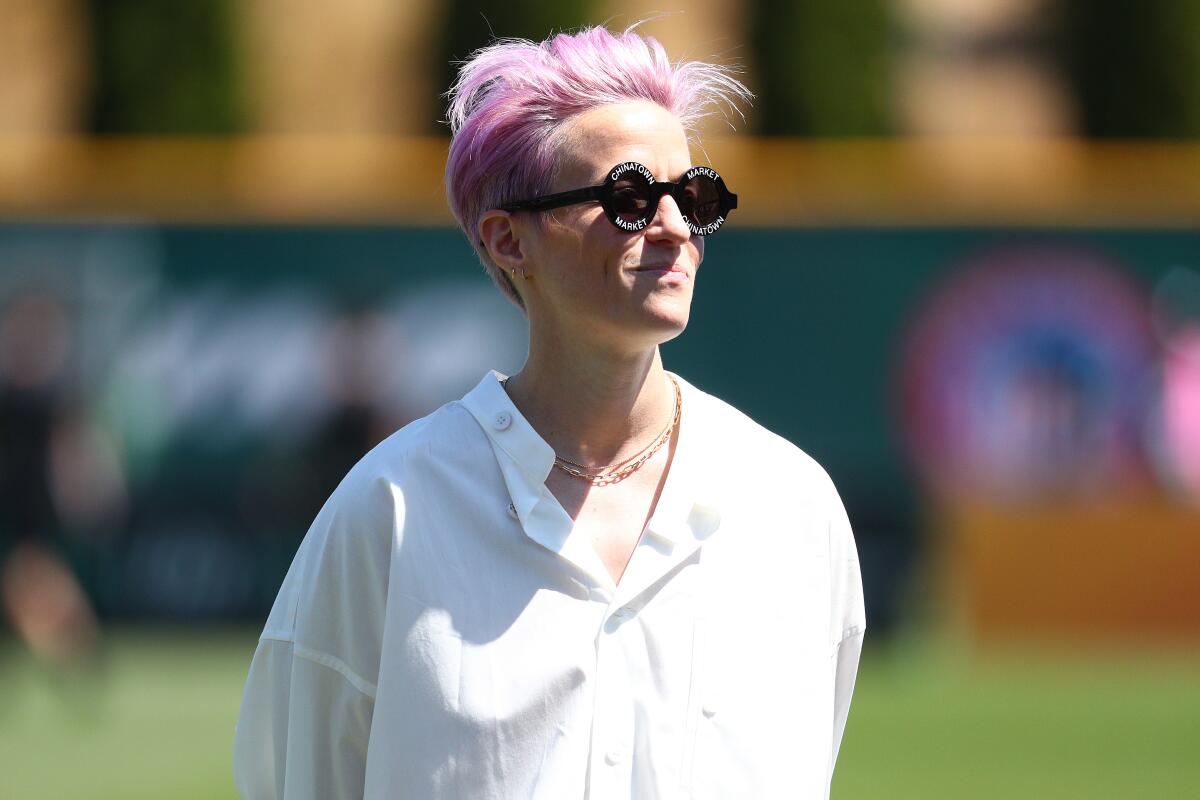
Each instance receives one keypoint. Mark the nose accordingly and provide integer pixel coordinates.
(668, 223)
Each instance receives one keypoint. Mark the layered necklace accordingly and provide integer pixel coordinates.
(615, 473)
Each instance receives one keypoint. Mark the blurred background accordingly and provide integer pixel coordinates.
(965, 264)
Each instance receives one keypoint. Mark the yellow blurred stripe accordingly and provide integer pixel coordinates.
(306, 179)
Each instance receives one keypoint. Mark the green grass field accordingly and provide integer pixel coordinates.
(1025, 724)
(157, 722)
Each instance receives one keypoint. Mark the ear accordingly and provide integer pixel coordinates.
(501, 236)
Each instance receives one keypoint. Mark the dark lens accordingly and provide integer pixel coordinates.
(630, 196)
(701, 201)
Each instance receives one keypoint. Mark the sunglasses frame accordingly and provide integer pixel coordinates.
(604, 192)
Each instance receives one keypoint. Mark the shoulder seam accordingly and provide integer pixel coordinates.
(337, 665)
(324, 659)
(276, 636)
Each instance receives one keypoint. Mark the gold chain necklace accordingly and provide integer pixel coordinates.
(602, 476)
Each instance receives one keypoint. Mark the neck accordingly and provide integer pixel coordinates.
(594, 408)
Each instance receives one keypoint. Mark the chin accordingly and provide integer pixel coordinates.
(667, 319)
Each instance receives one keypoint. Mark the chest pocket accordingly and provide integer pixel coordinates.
(761, 714)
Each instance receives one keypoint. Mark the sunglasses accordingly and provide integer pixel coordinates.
(630, 196)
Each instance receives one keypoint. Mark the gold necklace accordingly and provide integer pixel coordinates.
(615, 473)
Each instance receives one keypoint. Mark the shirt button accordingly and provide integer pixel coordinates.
(708, 710)
(512, 511)
(502, 420)
(612, 757)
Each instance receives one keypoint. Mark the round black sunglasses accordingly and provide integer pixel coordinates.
(630, 196)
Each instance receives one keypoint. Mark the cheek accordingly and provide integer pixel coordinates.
(585, 269)
(695, 249)
(564, 249)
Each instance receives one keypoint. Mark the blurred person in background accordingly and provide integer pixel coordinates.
(284, 488)
(590, 578)
(41, 598)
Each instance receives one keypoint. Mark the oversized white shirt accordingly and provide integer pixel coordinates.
(444, 633)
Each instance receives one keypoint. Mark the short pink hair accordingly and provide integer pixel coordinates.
(512, 98)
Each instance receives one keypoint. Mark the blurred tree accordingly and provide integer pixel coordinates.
(472, 24)
(822, 67)
(42, 66)
(163, 68)
(1135, 66)
(987, 68)
(357, 67)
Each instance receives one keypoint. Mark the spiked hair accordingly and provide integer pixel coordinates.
(511, 99)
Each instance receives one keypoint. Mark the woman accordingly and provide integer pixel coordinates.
(590, 578)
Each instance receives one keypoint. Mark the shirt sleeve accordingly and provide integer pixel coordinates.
(846, 671)
(306, 712)
(303, 729)
(849, 616)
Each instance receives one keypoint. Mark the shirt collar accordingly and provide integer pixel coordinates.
(508, 429)
(688, 508)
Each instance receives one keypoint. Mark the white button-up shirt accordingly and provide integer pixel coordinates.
(445, 633)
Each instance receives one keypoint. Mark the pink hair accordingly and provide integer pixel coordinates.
(512, 98)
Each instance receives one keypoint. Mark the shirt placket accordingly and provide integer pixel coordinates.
(611, 760)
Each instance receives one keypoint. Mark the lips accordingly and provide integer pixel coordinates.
(663, 268)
